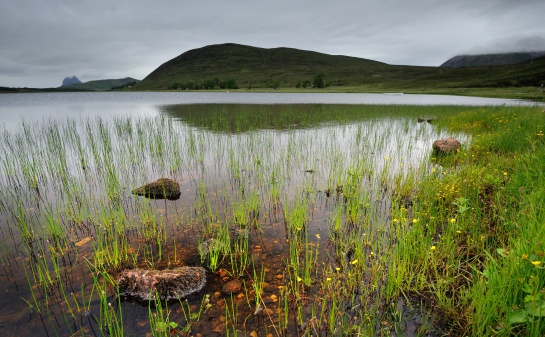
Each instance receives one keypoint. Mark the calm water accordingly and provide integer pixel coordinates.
(38, 106)
(66, 179)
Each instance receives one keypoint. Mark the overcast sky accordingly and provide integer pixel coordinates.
(43, 41)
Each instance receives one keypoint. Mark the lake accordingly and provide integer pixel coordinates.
(291, 194)
(37, 106)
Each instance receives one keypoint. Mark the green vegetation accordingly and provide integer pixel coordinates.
(337, 220)
(292, 69)
(205, 85)
(480, 258)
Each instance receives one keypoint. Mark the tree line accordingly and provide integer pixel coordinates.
(205, 85)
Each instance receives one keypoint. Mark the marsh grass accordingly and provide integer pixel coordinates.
(343, 208)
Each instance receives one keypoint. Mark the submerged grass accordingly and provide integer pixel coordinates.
(335, 218)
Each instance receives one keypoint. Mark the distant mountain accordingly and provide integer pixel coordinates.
(110, 84)
(490, 59)
(70, 80)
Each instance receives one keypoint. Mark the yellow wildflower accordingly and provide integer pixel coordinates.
(354, 262)
(524, 256)
(433, 247)
(536, 263)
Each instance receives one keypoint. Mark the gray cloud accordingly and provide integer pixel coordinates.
(44, 41)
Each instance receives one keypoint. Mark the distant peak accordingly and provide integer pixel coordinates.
(70, 81)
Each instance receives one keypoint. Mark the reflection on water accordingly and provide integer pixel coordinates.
(247, 174)
(40, 106)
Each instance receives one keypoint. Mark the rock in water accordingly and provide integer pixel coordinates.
(167, 284)
(162, 188)
(445, 146)
(232, 286)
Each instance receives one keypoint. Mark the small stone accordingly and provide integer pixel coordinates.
(210, 245)
(83, 241)
(253, 333)
(279, 276)
(274, 298)
(240, 296)
(230, 287)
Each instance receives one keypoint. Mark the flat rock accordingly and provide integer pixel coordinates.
(162, 188)
(445, 146)
(166, 284)
(230, 287)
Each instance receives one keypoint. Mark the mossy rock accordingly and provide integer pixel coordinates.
(148, 285)
(445, 146)
(162, 188)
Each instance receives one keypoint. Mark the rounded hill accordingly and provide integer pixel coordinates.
(258, 67)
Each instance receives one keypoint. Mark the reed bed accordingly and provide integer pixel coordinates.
(338, 220)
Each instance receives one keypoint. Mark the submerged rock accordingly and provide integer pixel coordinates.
(446, 146)
(211, 245)
(161, 284)
(162, 188)
(231, 287)
(425, 119)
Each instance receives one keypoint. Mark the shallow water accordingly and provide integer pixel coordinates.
(37, 106)
(65, 186)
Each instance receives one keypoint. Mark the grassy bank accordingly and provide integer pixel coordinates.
(477, 249)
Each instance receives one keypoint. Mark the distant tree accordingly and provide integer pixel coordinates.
(208, 84)
(174, 86)
(298, 85)
(230, 84)
(273, 84)
(318, 81)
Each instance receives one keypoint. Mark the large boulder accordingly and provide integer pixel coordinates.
(445, 146)
(167, 284)
(162, 188)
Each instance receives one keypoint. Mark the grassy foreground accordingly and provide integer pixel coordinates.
(475, 244)
(364, 223)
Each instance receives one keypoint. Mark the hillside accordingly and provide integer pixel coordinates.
(490, 59)
(287, 68)
(259, 67)
(100, 84)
